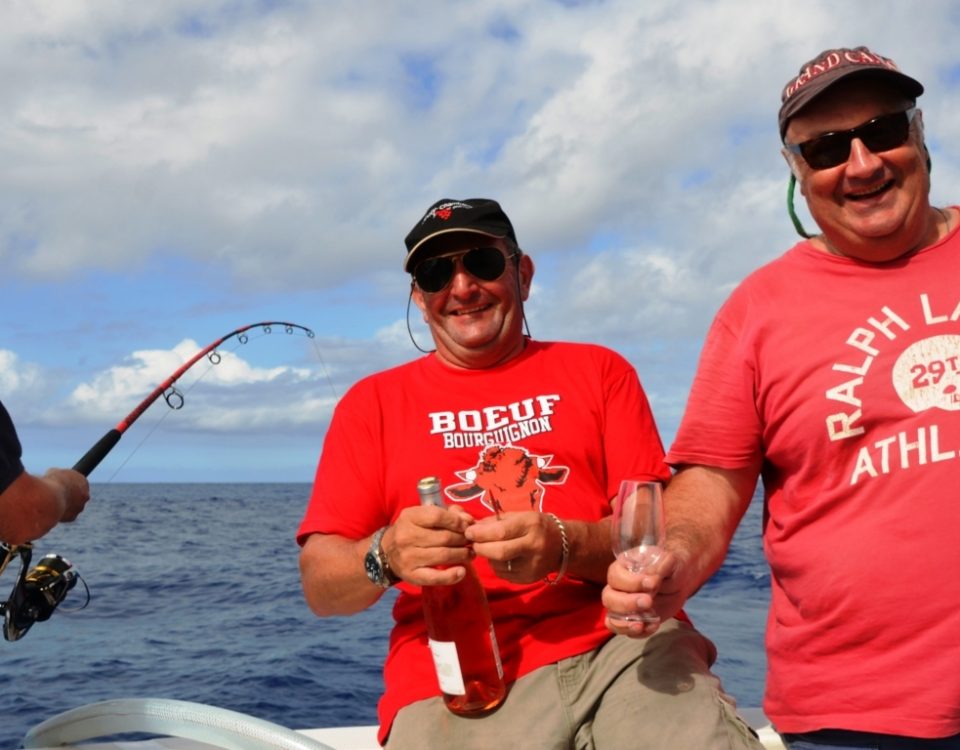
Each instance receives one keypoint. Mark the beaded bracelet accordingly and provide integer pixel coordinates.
(565, 553)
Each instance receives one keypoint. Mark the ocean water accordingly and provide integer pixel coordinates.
(195, 595)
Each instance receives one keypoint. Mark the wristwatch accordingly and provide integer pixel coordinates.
(376, 565)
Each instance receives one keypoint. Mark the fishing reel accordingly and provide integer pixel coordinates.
(38, 590)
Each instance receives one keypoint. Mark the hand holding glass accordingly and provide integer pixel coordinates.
(637, 532)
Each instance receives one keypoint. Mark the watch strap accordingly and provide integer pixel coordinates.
(377, 564)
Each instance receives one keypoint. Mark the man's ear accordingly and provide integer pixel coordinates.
(918, 125)
(792, 162)
(417, 296)
(525, 269)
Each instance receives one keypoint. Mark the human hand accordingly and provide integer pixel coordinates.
(426, 544)
(653, 591)
(522, 547)
(73, 489)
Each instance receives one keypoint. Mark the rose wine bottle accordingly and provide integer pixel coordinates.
(461, 636)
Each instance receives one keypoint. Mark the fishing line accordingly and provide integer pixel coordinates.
(324, 368)
(175, 399)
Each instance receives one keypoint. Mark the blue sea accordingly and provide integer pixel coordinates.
(195, 595)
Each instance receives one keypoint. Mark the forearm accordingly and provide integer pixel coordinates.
(702, 508)
(333, 575)
(589, 552)
(425, 545)
(30, 507)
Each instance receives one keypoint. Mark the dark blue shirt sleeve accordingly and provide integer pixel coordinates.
(11, 452)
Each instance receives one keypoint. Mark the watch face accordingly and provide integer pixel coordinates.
(372, 566)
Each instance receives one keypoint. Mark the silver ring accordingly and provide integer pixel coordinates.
(509, 566)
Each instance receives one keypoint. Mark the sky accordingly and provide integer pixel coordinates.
(173, 172)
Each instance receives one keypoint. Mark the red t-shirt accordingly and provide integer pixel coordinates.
(844, 377)
(572, 418)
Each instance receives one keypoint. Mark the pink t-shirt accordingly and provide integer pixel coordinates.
(845, 378)
(554, 429)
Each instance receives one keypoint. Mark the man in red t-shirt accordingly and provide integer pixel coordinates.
(530, 440)
(834, 374)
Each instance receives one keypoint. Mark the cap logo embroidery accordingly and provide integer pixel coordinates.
(444, 211)
(831, 61)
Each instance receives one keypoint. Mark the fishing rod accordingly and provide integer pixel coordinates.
(92, 458)
(38, 590)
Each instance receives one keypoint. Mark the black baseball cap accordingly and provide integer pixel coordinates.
(478, 215)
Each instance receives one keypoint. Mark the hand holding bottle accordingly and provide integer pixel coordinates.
(426, 545)
(522, 547)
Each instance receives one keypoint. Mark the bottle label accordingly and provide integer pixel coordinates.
(496, 651)
(447, 664)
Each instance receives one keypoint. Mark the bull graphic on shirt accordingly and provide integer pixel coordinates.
(508, 478)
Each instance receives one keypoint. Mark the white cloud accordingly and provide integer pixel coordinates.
(254, 136)
(18, 377)
(224, 391)
(272, 150)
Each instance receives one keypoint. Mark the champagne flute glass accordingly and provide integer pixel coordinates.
(637, 532)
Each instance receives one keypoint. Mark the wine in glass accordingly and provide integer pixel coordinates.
(637, 532)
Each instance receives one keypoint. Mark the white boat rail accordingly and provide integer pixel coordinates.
(184, 725)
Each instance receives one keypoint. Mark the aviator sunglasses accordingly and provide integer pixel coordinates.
(485, 263)
(882, 133)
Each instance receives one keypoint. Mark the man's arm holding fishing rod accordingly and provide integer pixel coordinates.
(31, 505)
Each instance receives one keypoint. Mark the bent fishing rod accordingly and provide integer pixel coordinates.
(39, 589)
(171, 395)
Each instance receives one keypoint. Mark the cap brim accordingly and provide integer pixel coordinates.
(408, 261)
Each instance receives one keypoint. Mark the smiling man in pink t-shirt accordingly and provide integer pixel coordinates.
(832, 373)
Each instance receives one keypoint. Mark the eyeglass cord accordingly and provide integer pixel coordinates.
(791, 188)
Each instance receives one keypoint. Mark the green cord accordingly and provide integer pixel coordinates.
(791, 187)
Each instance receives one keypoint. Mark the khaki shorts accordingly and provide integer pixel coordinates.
(652, 694)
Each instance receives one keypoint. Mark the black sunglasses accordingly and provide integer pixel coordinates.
(485, 263)
(833, 149)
